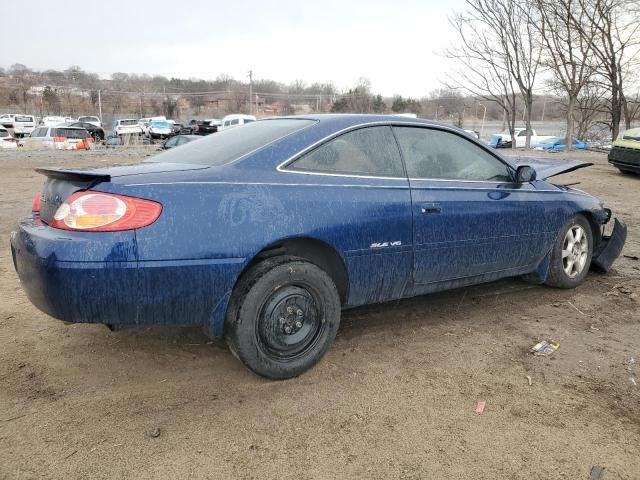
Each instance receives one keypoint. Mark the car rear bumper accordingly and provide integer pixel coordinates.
(115, 288)
(610, 247)
(627, 159)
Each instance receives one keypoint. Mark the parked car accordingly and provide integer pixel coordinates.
(159, 129)
(7, 141)
(178, 140)
(235, 120)
(209, 126)
(59, 137)
(503, 140)
(473, 133)
(51, 121)
(558, 143)
(625, 152)
(97, 133)
(146, 122)
(18, 123)
(6, 120)
(263, 233)
(95, 121)
(127, 126)
(204, 127)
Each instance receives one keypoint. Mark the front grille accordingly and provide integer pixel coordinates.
(629, 156)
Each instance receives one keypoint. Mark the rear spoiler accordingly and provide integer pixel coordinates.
(74, 175)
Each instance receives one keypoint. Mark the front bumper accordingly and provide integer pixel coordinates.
(627, 159)
(610, 247)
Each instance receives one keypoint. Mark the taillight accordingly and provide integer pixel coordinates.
(35, 208)
(10, 139)
(105, 212)
(59, 139)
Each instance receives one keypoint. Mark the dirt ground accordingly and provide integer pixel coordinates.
(393, 398)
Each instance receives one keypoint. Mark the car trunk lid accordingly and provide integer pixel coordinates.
(61, 183)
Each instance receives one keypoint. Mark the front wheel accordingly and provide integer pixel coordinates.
(283, 317)
(571, 255)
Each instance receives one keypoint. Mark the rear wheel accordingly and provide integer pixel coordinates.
(571, 255)
(283, 317)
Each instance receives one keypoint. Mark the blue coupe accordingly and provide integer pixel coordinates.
(263, 233)
(558, 143)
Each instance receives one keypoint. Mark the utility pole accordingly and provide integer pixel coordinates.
(250, 92)
(100, 105)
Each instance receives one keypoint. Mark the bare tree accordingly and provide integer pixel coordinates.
(568, 53)
(484, 72)
(508, 38)
(615, 46)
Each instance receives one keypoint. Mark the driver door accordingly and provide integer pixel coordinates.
(469, 217)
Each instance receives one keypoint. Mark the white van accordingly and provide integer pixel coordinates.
(235, 120)
(20, 124)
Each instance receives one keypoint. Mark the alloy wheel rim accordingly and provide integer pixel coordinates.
(575, 250)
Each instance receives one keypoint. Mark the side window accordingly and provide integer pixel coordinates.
(235, 121)
(436, 154)
(42, 132)
(368, 151)
(172, 142)
(523, 133)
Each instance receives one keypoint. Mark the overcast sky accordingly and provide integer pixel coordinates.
(395, 44)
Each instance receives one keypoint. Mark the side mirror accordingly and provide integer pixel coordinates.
(525, 174)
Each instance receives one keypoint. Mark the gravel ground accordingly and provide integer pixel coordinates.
(393, 398)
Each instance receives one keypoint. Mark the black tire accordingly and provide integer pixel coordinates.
(626, 172)
(283, 317)
(559, 270)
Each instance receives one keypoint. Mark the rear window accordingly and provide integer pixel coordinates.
(228, 145)
(248, 120)
(88, 119)
(23, 118)
(128, 122)
(4, 133)
(69, 132)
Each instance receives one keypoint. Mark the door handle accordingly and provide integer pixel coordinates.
(427, 208)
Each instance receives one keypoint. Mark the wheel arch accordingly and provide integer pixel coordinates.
(596, 226)
(313, 250)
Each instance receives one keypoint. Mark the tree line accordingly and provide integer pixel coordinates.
(585, 52)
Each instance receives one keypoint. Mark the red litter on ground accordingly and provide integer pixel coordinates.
(480, 404)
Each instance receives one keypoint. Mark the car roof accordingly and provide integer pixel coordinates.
(354, 119)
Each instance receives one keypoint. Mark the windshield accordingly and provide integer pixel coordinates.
(228, 145)
(88, 119)
(552, 140)
(69, 132)
(128, 122)
(160, 124)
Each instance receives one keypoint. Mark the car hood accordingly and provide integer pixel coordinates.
(550, 167)
(106, 173)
